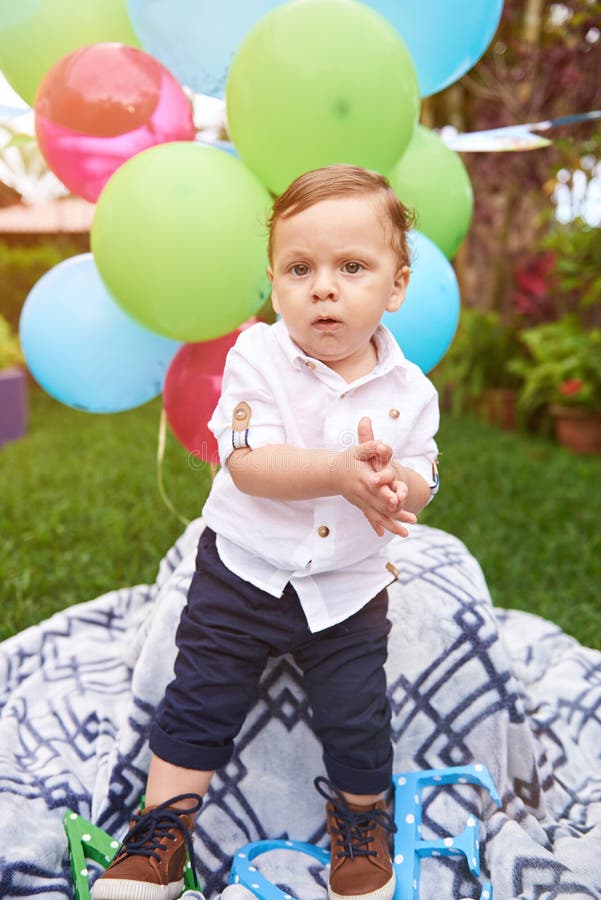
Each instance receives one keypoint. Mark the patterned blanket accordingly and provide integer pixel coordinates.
(468, 684)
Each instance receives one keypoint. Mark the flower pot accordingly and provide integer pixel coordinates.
(13, 404)
(578, 428)
(497, 406)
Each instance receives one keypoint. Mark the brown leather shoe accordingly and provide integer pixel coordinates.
(150, 862)
(360, 866)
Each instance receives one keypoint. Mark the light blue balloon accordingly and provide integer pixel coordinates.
(425, 324)
(226, 146)
(196, 39)
(445, 37)
(83, 349)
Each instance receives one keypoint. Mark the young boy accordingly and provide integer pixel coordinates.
(326, 438)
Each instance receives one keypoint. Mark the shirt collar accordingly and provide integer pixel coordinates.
(390, 355)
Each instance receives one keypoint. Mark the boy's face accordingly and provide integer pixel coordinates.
(333, 275)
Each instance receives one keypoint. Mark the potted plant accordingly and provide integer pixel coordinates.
(13, 386)
(473, 375)
(561, 375)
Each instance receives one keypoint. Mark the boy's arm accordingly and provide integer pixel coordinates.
(419, 494)
(280, 472)
(412, 490)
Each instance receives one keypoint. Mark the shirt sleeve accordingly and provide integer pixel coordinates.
(420, 452)
(246, 414)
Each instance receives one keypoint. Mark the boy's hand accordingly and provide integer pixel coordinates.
(368, 480)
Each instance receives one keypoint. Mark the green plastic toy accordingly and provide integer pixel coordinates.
(88, 842)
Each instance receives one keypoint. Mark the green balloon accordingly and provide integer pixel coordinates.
(432, 180)
(34, 34)
(319, 82)
(179, 237)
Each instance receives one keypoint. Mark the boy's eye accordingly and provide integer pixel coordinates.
(352, 267)
(299, 269)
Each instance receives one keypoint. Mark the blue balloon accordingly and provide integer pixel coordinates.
(226, 146)
(196, 39)
(425, 324)
(444, 38)
(83, 349)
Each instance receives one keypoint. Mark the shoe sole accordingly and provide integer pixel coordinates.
(386, 892)
(122, 889)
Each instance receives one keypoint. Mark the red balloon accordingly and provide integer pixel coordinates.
(100, 105)
(191, 391)
(101, 90)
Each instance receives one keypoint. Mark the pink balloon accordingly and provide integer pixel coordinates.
(100, 105)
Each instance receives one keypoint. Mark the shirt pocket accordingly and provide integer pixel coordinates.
(391, 425)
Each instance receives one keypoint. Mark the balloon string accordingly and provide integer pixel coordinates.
(160, 458)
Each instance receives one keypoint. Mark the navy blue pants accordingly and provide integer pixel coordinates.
(228, 630)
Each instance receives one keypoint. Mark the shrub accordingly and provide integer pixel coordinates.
(22, 265)
(563, 366)
(10, 349)
(477, 358)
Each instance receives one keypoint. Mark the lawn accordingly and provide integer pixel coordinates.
(81, 513)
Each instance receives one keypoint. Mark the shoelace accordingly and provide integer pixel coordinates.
(151, 827)
(354, 827)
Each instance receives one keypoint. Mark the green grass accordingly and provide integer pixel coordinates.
(528, 510)
(81, 514)
(80, 509)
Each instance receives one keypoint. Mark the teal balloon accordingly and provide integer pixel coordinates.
(319, 82)
(426, 323)
(445, 37)
(196, 39)
(83, 349)
(432, 180)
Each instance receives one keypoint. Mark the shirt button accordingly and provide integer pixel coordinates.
(393, 413)
(323, 531)
(310, 363)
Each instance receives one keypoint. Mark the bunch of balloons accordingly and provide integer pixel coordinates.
(179, 234)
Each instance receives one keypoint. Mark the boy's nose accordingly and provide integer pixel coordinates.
(324, 288)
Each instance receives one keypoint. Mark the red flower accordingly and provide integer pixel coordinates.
(571, 386)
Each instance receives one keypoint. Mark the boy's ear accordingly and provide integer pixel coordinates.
(399, 291)
(274, 299)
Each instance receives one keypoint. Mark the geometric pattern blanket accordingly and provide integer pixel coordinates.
(468, 684)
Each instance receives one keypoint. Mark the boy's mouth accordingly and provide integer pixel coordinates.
(326, 323)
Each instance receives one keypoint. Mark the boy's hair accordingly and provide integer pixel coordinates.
(342, 180)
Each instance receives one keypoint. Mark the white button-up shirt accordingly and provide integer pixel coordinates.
(325, 547)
